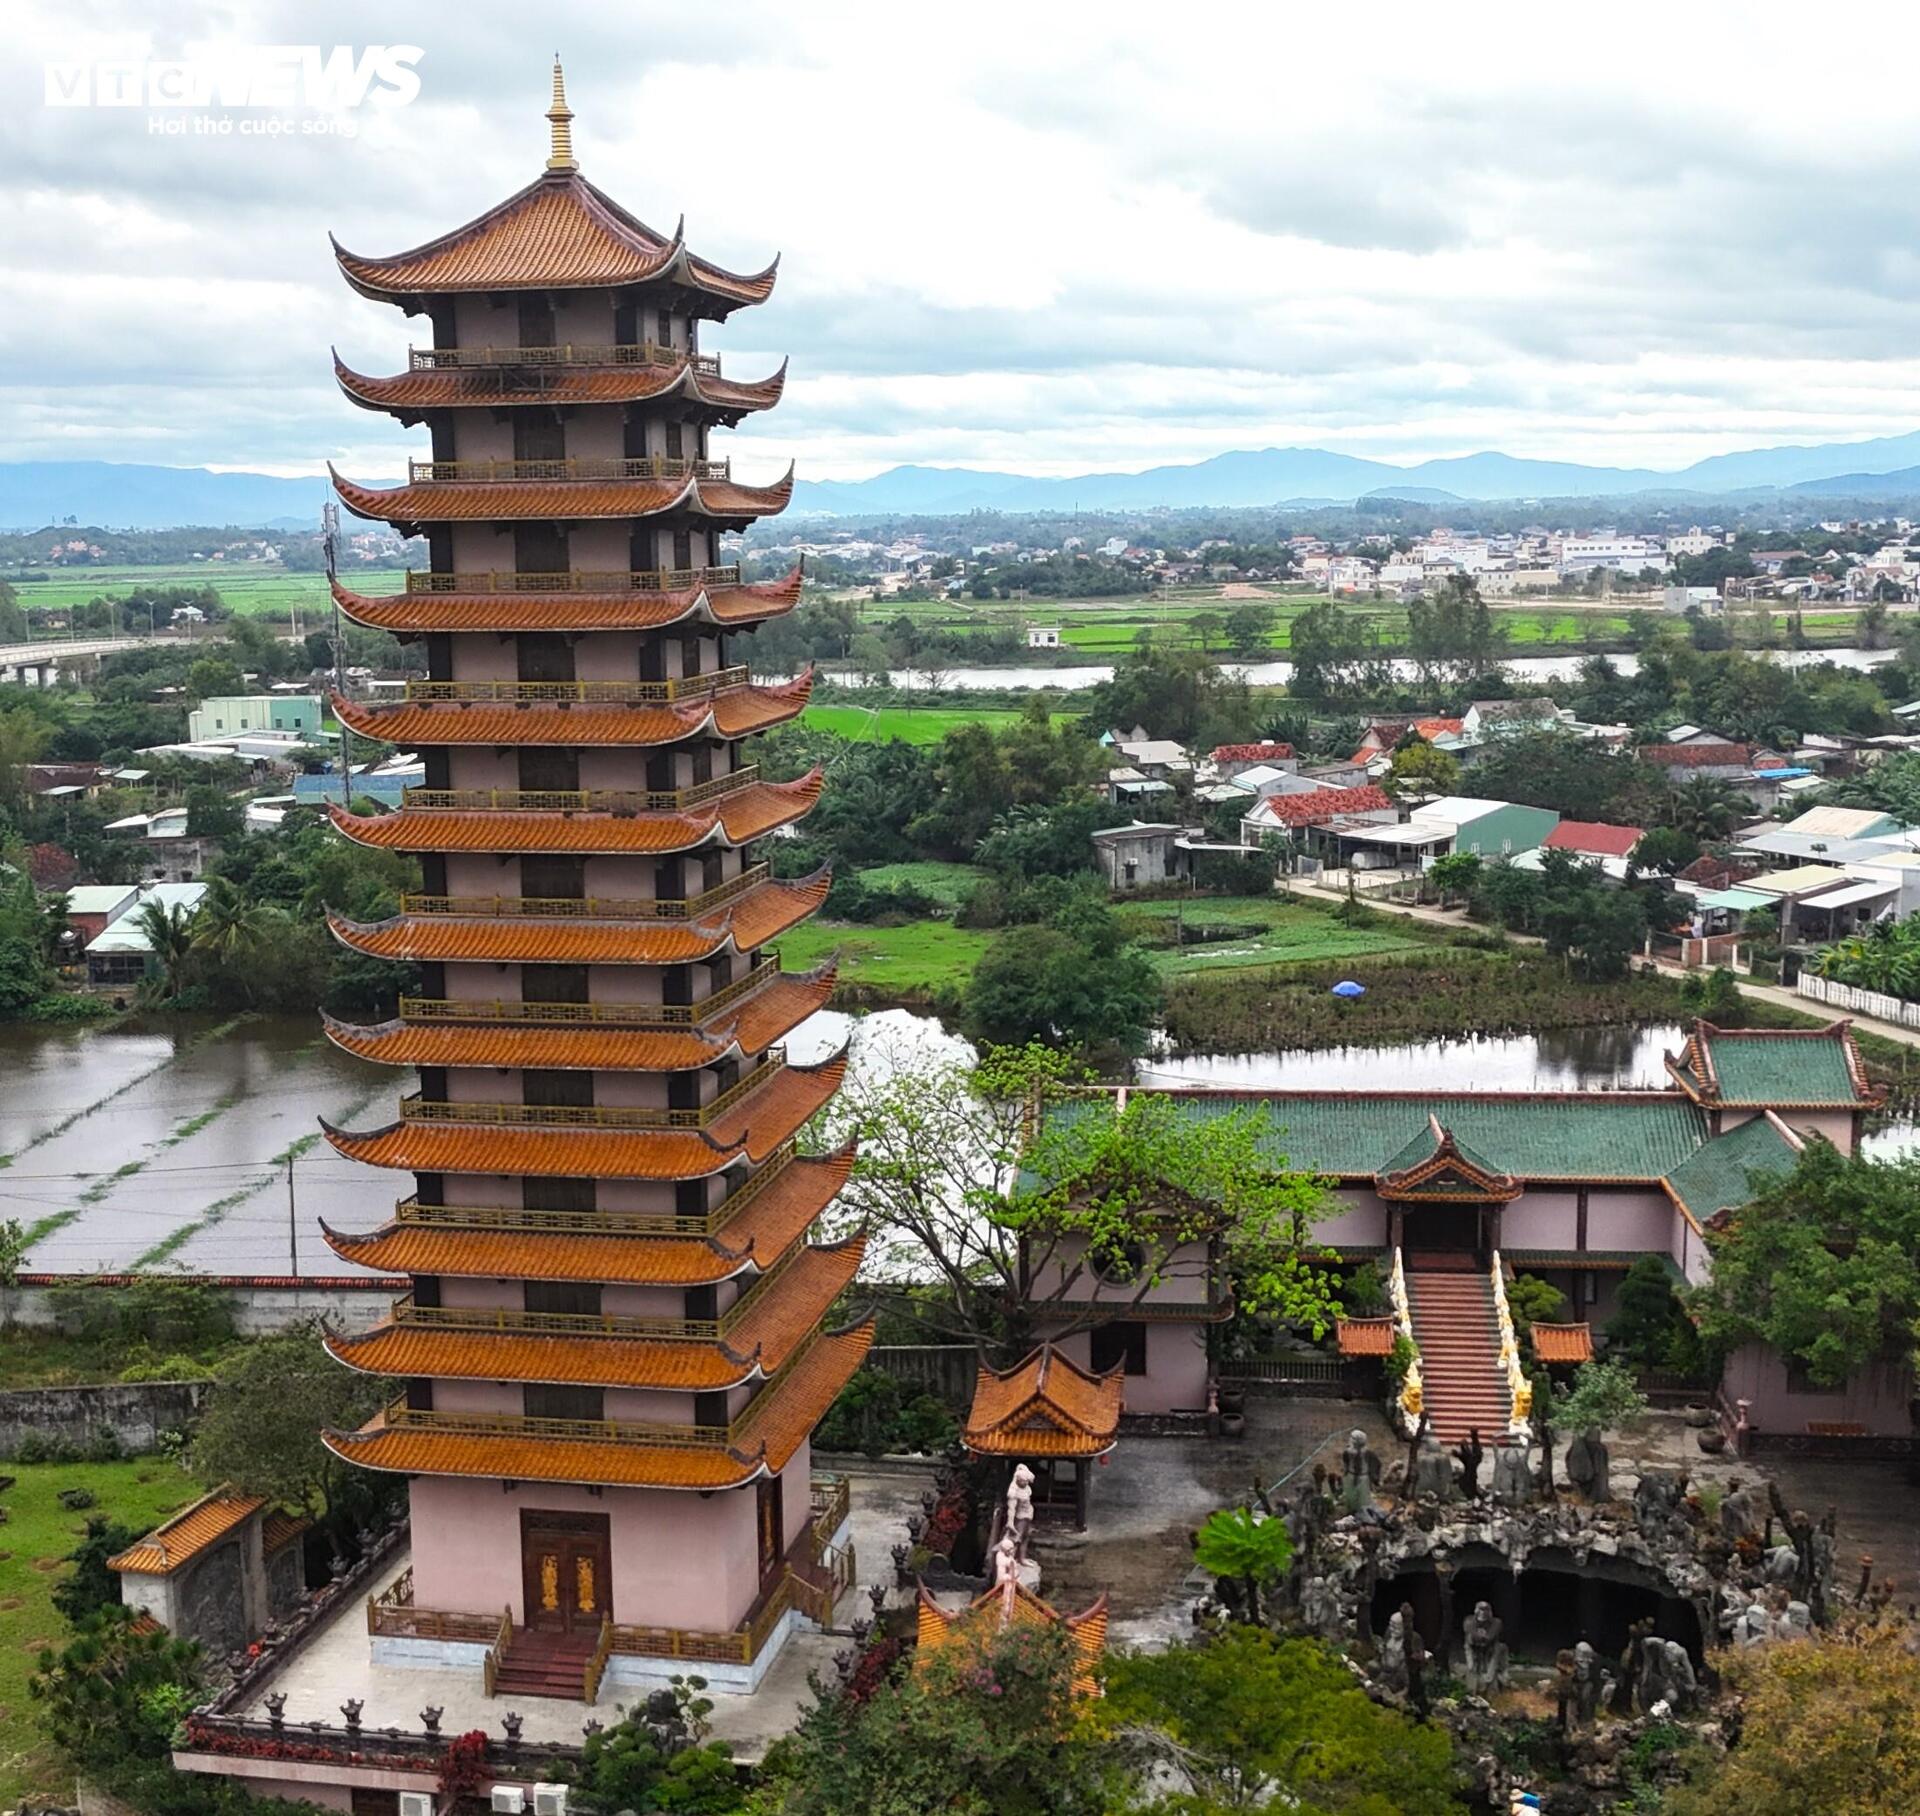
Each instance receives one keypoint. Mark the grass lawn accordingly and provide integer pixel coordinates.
(882, 724)
(1265, 933)
(38, 1533)
(904, 962)
(948, 884)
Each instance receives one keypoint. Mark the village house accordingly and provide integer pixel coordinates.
(1142, 855)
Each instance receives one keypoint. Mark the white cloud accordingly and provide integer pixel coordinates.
(1057, 237)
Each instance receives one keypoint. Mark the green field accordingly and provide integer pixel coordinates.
(249, 588)
(39, 1532)
(948, 884)
(909, 962)
(882, 724)
(1252, 935)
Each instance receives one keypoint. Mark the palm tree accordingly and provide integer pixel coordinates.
(1706, 807)
(228, 928)
(168, 928)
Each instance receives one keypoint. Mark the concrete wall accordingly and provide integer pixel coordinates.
(136, 1414)
(1876, 1397)
(261, 1305)
(1176, 1377)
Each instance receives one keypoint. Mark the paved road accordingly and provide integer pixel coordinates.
(1770, 993)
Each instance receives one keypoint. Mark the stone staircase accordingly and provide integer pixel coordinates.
(1463, 1384)
(545, 1664)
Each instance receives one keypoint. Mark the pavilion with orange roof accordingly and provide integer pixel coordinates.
(1054, 1417)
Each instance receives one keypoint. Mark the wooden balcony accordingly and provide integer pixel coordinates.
(567, 693)
(415, 1108)
(584, 1324)
(521, 1218)
(567, 353)
(645, 466)
(587, 907)
(580, 800)
(736, 1435)
(646, 580)
(517, 1012)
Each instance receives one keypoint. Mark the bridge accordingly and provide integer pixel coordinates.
(40, 660)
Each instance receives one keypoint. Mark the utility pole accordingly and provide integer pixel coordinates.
(293, 1226)
(330, 541)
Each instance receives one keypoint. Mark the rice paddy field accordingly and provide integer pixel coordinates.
(883, 724)
(253, 588)
(910, 963)
(1201, 936)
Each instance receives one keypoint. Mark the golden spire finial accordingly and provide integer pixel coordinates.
(561, 116)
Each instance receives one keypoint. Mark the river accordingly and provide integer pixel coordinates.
(1277, 674)
(198, 1146)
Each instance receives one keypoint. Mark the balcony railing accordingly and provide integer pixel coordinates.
(587, 907)
(518, 1013)
(638, 693)
(521, 1218)
(642, 466)
(415, 1108)
(567, 353)
(581, 800)
(589, 1324)
(737, 1434)
(581, 580)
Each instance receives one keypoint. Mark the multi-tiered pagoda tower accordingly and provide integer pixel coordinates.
(613, 1352)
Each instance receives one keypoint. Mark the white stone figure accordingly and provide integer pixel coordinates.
(1019, 1521)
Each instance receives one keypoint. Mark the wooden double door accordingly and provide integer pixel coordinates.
(566, 1563)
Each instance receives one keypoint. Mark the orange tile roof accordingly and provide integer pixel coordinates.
(551, 500)
(737, 713)
(750, 1028)
(465, 387)
(279, 1530)
(770, 1224)
(1044, 1407)
(775, 1326)
(1013, 1605)
(751, 1129)
(1563, 1342)
(189, 1533)
(797, 1402)
(737, 819)
(1365, 1336)
(763, 913)
(558, 233)
(419, 613)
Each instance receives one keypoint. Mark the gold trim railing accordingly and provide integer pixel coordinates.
(588, 907)
(633, 466)
(831, 1500)
(505, 1318)
(415, 1108)
(595, 1223)
(515, 1012)
(579, 800)
(392, 1613)
(497, 1652)
(597, 1664)
(566, 353)
(619, 693)
(400, 1416)
(646, 580)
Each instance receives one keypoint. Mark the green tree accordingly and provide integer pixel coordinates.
(1665, 850)
(1603, 1397)
(1249, 627)
(114, 1691)
(1453, 637)
(977, 1728)
(213, 814)
(169, 933)
(1420, 766)
(77, 1598)
(1455, 874)
(1703, 808)
(1244, 1548)
(1823, 1263)
(1246, 1720)
(214, 676)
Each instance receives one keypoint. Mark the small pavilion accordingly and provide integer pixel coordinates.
(1052, 1416)
(1007, 1606)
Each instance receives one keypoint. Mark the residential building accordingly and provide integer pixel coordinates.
(1142, 855)
(93, 907)
(121, 956)
(1230, 759)
(227, 715)
(1289, 814)
(1043, 636)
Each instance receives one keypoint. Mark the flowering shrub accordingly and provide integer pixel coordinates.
(463, 1767)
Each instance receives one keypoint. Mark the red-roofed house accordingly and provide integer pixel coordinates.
(1231, 759)
(1593, 838)
(1384, 735)
(1683, 760)
(1289, 813)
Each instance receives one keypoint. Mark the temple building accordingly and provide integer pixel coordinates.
(613, 1354)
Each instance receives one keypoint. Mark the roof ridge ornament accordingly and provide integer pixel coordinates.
(560, 160)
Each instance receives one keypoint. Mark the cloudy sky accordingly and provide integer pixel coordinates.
(1046, 237)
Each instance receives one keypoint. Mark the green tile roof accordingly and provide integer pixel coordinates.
(1777, 1066)
(1720, 1176)
(1632, 1135)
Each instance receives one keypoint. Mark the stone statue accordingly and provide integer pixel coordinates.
(1741, 1512)
(1753, 1626)
(1360, 1469)
(1471, 1454)
(1393, 1652)
(1486, 1653)
(1020, 1510)
(1590, 1685)
(1432, 1471)
(1006, 1560)
(1323, 1609)
(1512, 1478)
(1587, 1466)
(1667, 1681)
(1657, 1498)
(1796, 1622)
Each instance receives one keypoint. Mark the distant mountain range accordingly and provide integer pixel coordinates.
(37, 493)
